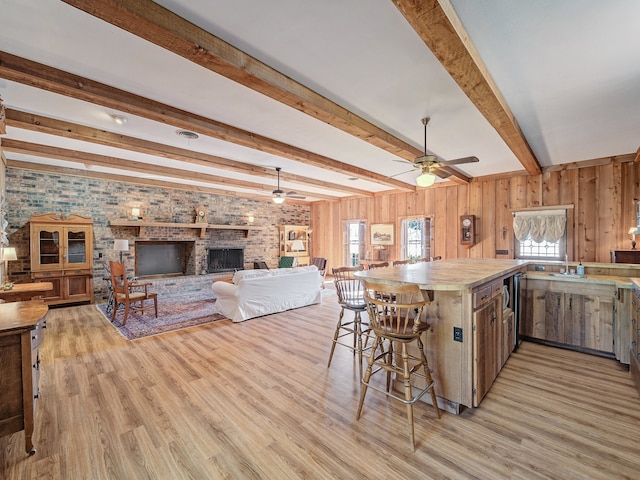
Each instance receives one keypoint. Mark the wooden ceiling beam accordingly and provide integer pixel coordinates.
(61, 128)
(437, 24)
(74, 172)
(51, 79)
(160, 26)
(92, 159)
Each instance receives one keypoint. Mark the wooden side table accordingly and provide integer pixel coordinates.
(25, 291)
(625, 256)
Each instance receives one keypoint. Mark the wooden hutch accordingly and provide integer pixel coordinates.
(62, 253)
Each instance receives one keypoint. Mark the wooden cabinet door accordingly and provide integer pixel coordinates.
(487, 338)
(77, 246)
(635, 323)
(78, 287)
(56, 280)
(574, 321)
(508, 339)
(47, 247)
(553, 318)
(598, 323)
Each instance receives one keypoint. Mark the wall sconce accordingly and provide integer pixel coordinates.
(136, 214)
(251, 219)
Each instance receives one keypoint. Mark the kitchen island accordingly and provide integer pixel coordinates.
(472, 315)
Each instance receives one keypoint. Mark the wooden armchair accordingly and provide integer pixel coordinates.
(321, 263)
(286, 262)
(124, 293)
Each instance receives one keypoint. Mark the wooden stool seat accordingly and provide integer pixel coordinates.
(350, 297)
(395, 316)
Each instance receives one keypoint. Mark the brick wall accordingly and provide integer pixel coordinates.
(29, 193)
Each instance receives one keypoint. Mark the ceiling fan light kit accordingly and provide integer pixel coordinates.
(426, 179)
(277, 197)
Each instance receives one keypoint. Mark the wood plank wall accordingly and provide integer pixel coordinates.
(603, 196)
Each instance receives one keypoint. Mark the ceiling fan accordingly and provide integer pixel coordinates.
(278, 196)
(430, 166)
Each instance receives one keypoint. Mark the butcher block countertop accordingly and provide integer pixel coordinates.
(452, 274)
(619, 282)
(463, 273)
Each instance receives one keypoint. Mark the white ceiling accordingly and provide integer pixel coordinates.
(568, 70)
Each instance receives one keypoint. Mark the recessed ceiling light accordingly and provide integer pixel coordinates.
(119, 119)
(187, 134)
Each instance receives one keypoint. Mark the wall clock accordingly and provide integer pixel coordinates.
(467, 230)
(201, 214)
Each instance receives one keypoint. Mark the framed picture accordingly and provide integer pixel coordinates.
(292, 235)
(382, 234)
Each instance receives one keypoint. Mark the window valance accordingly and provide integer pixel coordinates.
(540, 225)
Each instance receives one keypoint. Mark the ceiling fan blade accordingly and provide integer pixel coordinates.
(294, 195)
(459, 161)
(440, 172)
(401, 173)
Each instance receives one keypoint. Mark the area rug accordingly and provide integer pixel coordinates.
(174, 313)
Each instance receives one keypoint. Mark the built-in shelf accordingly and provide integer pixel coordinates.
(203, 227)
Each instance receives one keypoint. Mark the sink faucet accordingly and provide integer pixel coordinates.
(566, 263)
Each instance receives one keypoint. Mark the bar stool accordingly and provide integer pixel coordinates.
(378, 265)
(402, 262)
(350, 297)
(394, 315)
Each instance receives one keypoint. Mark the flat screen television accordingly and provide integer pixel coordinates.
(225, 260)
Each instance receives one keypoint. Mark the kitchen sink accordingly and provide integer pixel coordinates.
(567, 275)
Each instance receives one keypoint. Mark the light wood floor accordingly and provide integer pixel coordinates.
(255, 401)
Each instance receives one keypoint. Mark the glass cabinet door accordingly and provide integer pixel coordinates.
(76, 240)
(49, 246)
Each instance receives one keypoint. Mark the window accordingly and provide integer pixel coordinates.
(540, 234)
(415, 238)
(540, 250)
(355, 239)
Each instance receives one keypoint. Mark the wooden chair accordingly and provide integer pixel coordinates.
(321, 263)
(124, 293)
(378, 265)
(395, 315)
(402, 262)
(286, 262)
(350, 297)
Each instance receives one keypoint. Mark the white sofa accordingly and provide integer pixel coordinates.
(254, 293)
